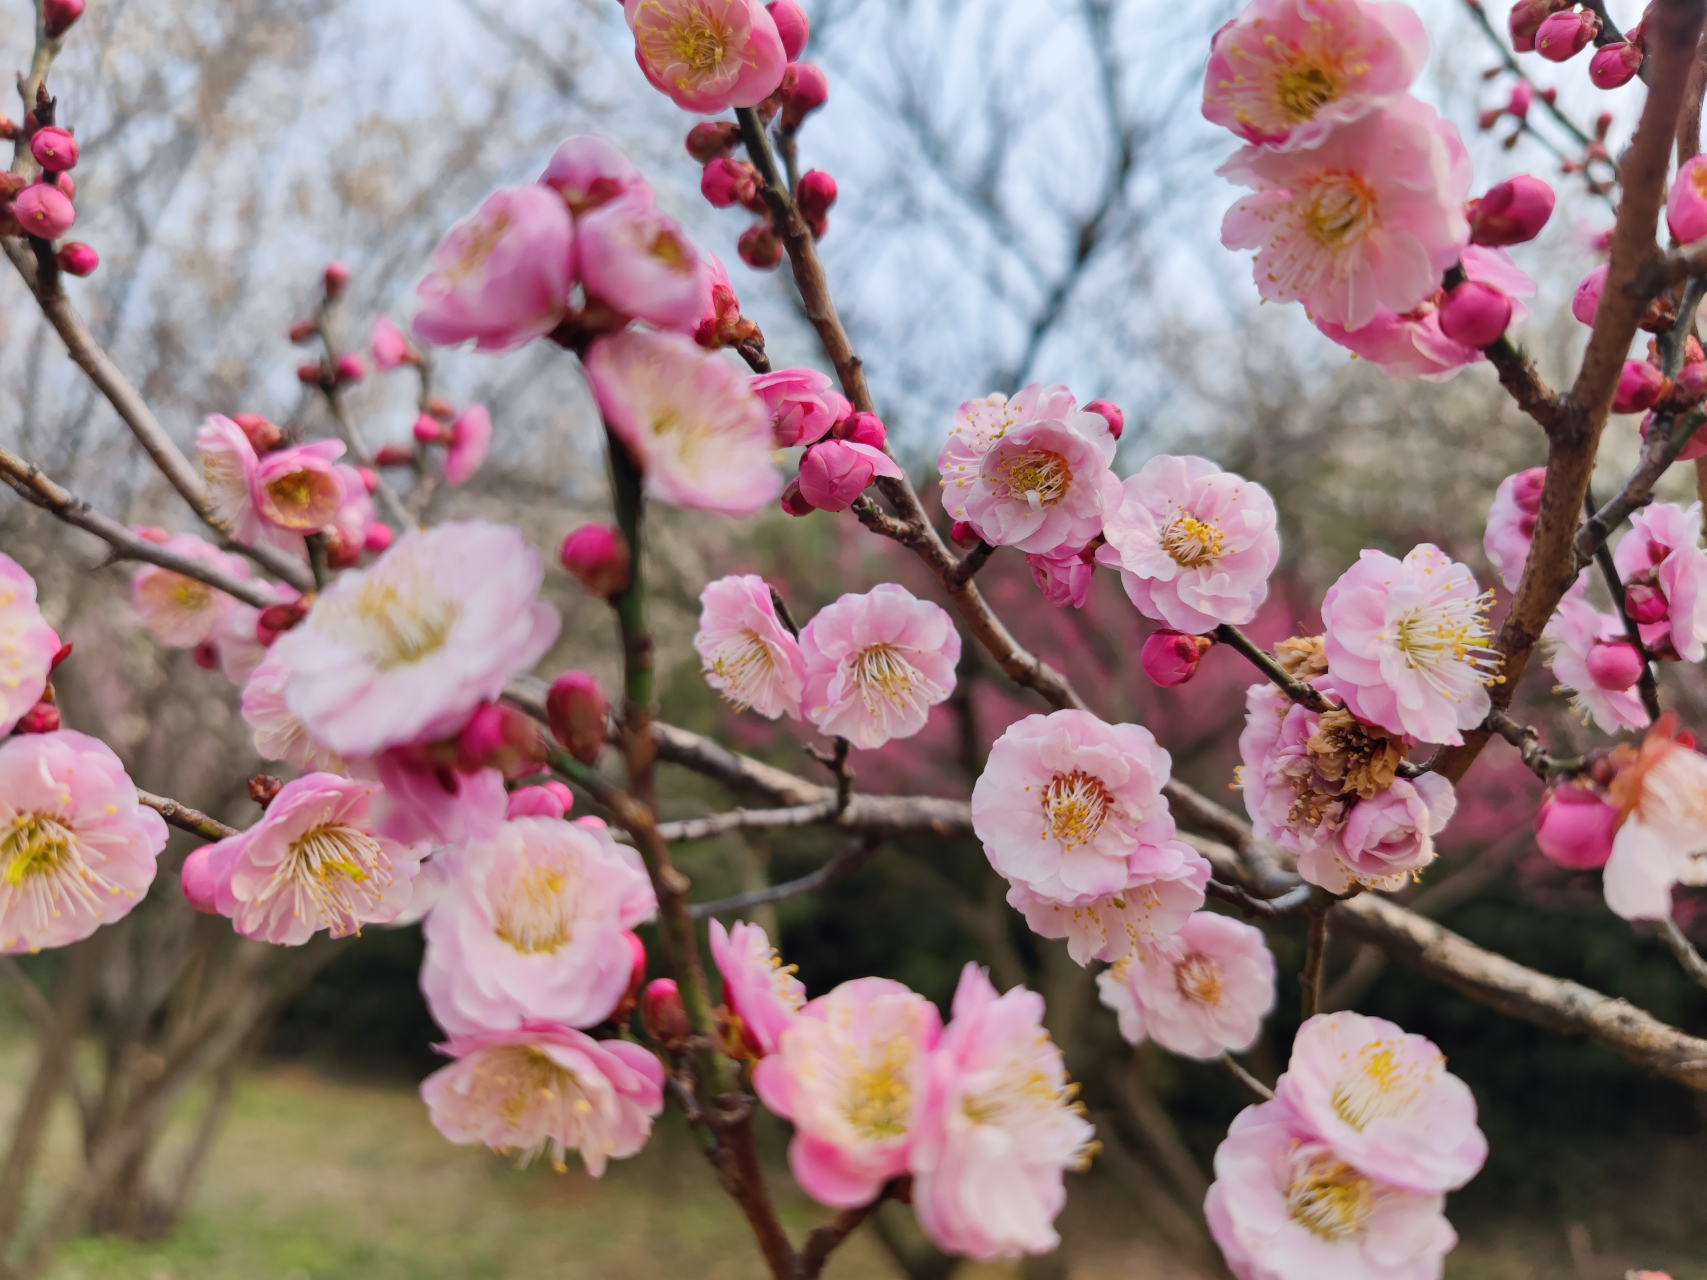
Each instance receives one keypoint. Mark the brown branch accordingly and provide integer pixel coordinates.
(1315, 954)
(824, 1240)
(1289, 903)
(187, 819)
(1523, 382)
(1684, 950)
(837, 868)
(1305, 695)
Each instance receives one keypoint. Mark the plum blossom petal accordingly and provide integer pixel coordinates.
(876, 664)
(1661, 791)
(1573, 633)
(28, 645)
(759, 989)
(1158, 899)
(183, 612)
(707, 55)
(747, 654)
(1199, 993)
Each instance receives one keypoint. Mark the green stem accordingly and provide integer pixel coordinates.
(630, 602)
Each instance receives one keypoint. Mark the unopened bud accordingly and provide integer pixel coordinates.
(1686, 203)
(500, 737)
(1645, 603)
(264, 788)
(302, 331)
(308, 374)
(1111, 414)
(714, 138)
(793, 501)
(77, 259)
(43, 211)
(262, 435)
(816, 194)
(276, 619)
(58, 16)
(428, 431)
(597, 556)
(1574, 826)
(578, 712)
(1563, 35)
(1614, 664)
(1512, 212)
(549, 799)
(636, 973)
(1171, 658)
(206, 656)
(351, 367)
(804, 89)
(1586, 301)
(60, 656)
(1522, 98)
(1640, 387)
(861, 428)
(661, 1012)
(963, 535)
(44, 717)
(727, 181)
(377, 537)
(1614, 65)
(1690, 386)
(336, 277)
(54, 149)
(1475, 314)
(394, 455)
(759, 247)
(792, 25)
(1526, 19)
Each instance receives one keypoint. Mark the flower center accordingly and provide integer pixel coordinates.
(34, 846)
(535, 917)
(1330, 1198)
(42, 869)
(668, 248)
(1452, 631)
(1038, 476)
(477, 246)
(741, 661)
(1339, 210)
(188, 594)
(401, 627)
(1303, 89)
(1192, 543)
(880, 1099)
(535, 1094)
(1076, 805)
(1198, 978)
(333, 873)
(1383, 1086)
(881, 672)
(300, 500)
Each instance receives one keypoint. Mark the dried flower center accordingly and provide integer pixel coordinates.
(477, 246)
(1328, 1197)
(880, 1099)
(1345, 750)
(1039, 477)
(742, 661)
(398, 626)
(1192, 543)
(333, 873)
(535, 917)
(1383, 1085)
(1303, 656)
(1076, 805)
(1303, 89)
(1450, 632)
(1339, 210)
(1198, 978)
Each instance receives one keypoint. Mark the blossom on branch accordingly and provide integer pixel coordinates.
(77, 849)
(688, 418)
(707, 55)
(1200, 993)
(183, 612)
(28, 645)
(277, 732)
(547, 1090)
(1063, 575)
(1044, 485)
(1384, 839)
(1661, 793)
(762, 993)
(1511, 523)
(1164, 888)
(1592, 658)
(589, 171)
(1663, 552)
(802, 404)
(746, 653)
(876, 664)
(980, 424)
(997, 1128)
(636, 259)
(1194, 544)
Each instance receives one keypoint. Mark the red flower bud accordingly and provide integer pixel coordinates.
(53, 148)
(1526, 19)
(377, 537)
(1640, 387)
(42, 718)
(816, 194)
(861, 428)
(578, 712)
(499, 737)
(1475, 314)
(1645, 603)
(308, 374)
(63, 653)
(1614, 664)
(792, 25)
(428, 431)
(43, 211)
(1171, 658)
(661, 1012)
(727, 181)
(1614, 65)
(1512, 212)
(58, 16)
(636, 952)
(759, 247)
(206, 656)
(1111, 414)
(597, 556)
(1563, 35)
(394, 455)
(351, 367)
(1574, 826)
(336, 277)
(714, 138)
(962, 535)
(803, 90)
(77, 259)
(793, 501)
(263, 435)
(302, 331)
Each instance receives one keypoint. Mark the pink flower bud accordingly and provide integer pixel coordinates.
(1527, 17)
(1586, 301)
(793, 502)
(1526, 489)
(377, 537)
(1640, 387)
(201, 881)
(308, 374)
(546, 800)
(727, 181)
(77, 259)
(759, 247)
(427, 430)
(1563, 35)
(390, 347)
(661, 1012)
(499, 737)
(835, 472)
(791, 25)
(1512, 212)
(804, 89)
(578, 712)
(369, 477)
(713, 138)
(302, 331)
(597, 556)
(1614, 664)
(43, 211)
(816, 194)
(58, 16)
(351, 367)
(1475, 314)
(335, 277)
(1574, 826)
(1690, 386)
(962, 535)
(1111, 414)
(1171, 658)
(54, 149)
(1522, 98)
(276, 619)
(636, 961)
(1645, 603)
(1614, 65)
(861, 428)
(1686, 204)
(42, 718)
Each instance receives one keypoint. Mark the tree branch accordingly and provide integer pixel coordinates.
(842, 865)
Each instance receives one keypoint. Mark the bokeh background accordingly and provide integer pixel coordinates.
(1027, 193)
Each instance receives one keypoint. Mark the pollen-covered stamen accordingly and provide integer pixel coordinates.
(1303, 88)
(397, 624)
(784, 983)
(1198, 978)
(1039, 477)
(1075, 807)
(1453, 631)
(535, 916)
(1385, 1084)
(41, 866)
(1190, 542)
(879, 1100)
(535, 1094)
(1328, 1196)
(881, 673)
(302, 500)
(742, 661)
(333, 873)
(1339, 210)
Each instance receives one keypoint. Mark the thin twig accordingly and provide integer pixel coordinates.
(805, 815)
(1289, 903)
(842, 865)
(1305, 695)
(1315, 953)
(1684, 950)
(1260, 1091)
(187, 819)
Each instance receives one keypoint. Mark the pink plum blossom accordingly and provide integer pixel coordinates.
(1572, 637)
(1382, 840)
(1285, 72)
(298, 491)
(1289, 801)
(690, 421)
(183, 612)
(1043, 486)
(531, 928)
(1092, 794)
(637, 259)
(1411, 345)
(802, 403)
(876, 664)
(762, 992)
(1163, 891)
(1063, 575)
(1384, 1102)
(1686, 205)
(470, 437)
(546, 1090)
(1371, 217)
(1511, 523)
(851, 1072)
(500, 276)
(835, 472)
(28, 645)
(1663, 549)
(403, 651)
(228, 463)
(707, 55)
(390, 347)
(1285, 1207)
(979, 425)
(746, 653)
(997, 1128)
(78, 848)
(1661, 791)
(1407, 644)
(1199, 993)
(589, 171)
(314, 861)
(1585, 302)
(423, 799)
(277, 732)
(1194, 544)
